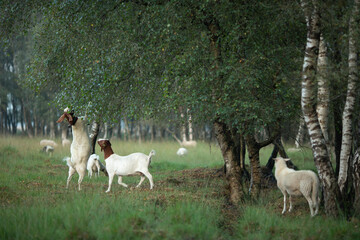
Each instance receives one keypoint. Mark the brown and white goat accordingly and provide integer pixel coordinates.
(80, 146)
(133, 164)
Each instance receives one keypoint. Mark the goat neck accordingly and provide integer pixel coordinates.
(107, 152)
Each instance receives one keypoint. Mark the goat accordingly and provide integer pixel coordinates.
(48, 149)
(47, 142)
(80, 147)
(94, 164)
(133, 164)
(65, 142)
(297, 183)
(182, 152)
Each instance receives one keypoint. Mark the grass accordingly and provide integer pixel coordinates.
(186, 203)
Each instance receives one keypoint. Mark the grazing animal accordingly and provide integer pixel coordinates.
(47, 142)
(133, 164)
(94, 165)
(191, 143)
(80, 146)
(65, 142)
(182, 152)
(297, 183)
(48, 149)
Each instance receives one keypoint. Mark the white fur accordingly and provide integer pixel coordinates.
(189, 143)
(48, 149)
(47, 142)
(133, 164)
(80, 151)
(94, 165)
(182, 152)
(297, 183)
(65, 142)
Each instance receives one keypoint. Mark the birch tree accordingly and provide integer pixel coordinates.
(323, 92)
(308, 98)
(347, 131)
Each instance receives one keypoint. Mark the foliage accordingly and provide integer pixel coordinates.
(148, 58)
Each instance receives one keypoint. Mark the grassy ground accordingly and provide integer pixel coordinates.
(186, 203)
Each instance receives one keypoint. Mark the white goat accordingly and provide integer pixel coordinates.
(79, 149)
(94, 164)
(182, 152)
(297, 183)
(48, 149)
(65, 142)
(133, 164)
(47, 142)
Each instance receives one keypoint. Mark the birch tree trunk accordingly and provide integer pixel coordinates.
(191, 132)
(323, 94)
(301, 132)
(308, 105)
(183, 126)
(347, 131)
(356, 181)
(95, 127)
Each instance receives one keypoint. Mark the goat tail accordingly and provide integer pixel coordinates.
(152, 153)
(68, 161)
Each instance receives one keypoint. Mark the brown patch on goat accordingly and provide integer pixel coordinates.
(105, 146)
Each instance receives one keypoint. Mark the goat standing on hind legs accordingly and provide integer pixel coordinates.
(297, 183)
(80, 146)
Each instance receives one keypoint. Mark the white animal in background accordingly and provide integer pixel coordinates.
(191, 143)
(48, 149)
(65, 142)
(182, 152)
(80, 147)
(94, 165)
(47, 142)
(297, 183)
(133, 164)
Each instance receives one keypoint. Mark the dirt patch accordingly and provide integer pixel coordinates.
(7, 196)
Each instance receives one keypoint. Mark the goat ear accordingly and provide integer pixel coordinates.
(287, 159)
(69, 117)
(61, 118)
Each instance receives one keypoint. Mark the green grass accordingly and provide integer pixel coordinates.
(186, 203)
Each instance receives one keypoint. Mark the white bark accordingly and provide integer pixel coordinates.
(308, 98)
(323, 94)
(191, 136)
(183, 127)
(350, 99)
(301, 132)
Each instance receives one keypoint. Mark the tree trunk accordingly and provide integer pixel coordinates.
(191, 132)
(230, 151)
(356, 181)
(255, 169)
(347, 131)
(183, 126)
(321, 157)
(29, 127)
(127, 132)
(323, 94)
(243, 170)
(301, 132)
(95, 127)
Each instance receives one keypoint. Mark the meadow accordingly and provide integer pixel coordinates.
(187, 201)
